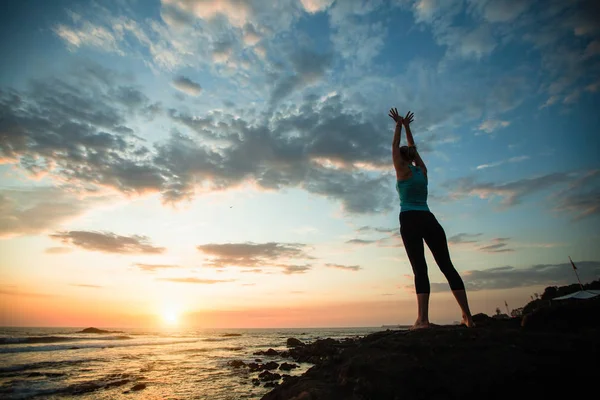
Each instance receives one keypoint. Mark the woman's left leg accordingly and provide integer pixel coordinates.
(435, 237)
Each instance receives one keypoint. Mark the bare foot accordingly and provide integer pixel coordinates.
(468, 322)
(420, 325)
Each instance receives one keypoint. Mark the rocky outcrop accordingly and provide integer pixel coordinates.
(498, 359)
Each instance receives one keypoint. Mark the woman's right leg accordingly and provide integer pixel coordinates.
(413, 244)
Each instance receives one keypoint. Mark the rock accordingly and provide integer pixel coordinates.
(254, 366)
(293, 342)
(270, 365)
(256, 381)
(231, 334)
(429, 363)
(257, 360)
(236, 363)
(270, 352)
(96, 330)
(269, 376)
(139, 386)
(287, 367)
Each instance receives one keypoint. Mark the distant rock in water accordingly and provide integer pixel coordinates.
(231, 334)
(96, 330)
(293, 342)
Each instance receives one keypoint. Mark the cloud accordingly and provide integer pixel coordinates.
(502, 10)
(58, 250)
(509, 277)
(367, 228)
(314, 6)
(344, 267)
(84, 285)
(460, 238)
(108, 242)
(187, 86)
(581, 198)
(12, 290)
(490, 126)
(195, 280)
(295, 269)
(89, 34)
(511, 193)
(360, 241)
(155, 267)
(498, 163)
(308, 66)
(250, 255)
(88, 143)
(498, 246)
(592, 49)
(37, 210)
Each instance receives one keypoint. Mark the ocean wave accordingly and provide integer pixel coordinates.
(47, 365)
(57, 347)
(55, 339)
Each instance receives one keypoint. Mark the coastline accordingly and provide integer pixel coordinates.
(542, 355)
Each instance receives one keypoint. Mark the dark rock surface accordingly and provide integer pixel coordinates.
(498, 359)
(96, 330)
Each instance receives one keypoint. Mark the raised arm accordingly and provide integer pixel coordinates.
(399, 163)
(411, 142)
(406, 122)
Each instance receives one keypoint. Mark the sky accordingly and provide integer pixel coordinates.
(227, 163)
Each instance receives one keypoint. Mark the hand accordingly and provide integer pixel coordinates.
(395, 116)
(408, 119)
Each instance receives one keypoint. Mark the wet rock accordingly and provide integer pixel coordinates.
(293, 342)
(270, 352)
(287, 366)
(236, 363)
(270, 365)
(269, 376)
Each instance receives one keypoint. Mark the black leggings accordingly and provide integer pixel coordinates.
(416, 226)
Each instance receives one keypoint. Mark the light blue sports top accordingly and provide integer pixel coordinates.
(413, 191)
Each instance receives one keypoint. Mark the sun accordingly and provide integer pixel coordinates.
(170, 315)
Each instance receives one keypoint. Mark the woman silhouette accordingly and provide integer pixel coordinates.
(418, 224)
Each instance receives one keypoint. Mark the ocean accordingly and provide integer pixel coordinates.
(60, 363)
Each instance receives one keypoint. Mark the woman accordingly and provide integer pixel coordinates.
(417, 223)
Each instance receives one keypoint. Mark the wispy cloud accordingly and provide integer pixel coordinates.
(498, 163)
(11, 290)
(344, 267)
(492, 125)
(499, 245)
(464, 238)
(511, 193)
(196, 280)
(84, 285)
(155, 267)
(108, 242)
(58, 250)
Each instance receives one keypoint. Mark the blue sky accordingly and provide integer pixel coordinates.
(224, 152)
